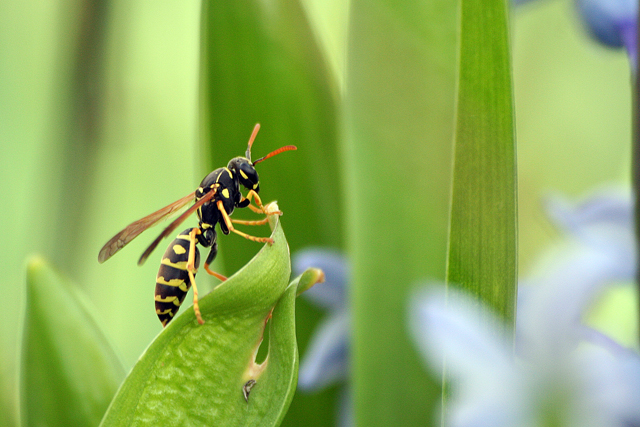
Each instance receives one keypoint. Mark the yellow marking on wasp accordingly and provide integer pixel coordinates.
(182, 265)
(179, 249)
(244, 175)
(172, 282)
(255, 185)
(174, 300)
(225, 193)
(227, 171)
(168, 311)
(200, 189)
(183, 237)
(176, 283)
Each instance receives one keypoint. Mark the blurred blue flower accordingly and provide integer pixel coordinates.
(612, 23)
(326, 359)
(565, 373)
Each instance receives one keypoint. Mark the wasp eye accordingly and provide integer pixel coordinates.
(248, 176)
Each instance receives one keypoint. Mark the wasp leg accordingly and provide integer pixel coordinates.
(229, 225)
(243, 222)
(210, 258)
(214, 274)
(191, 270)
(260, 208)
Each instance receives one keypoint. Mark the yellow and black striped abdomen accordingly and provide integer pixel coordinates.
(172, 282)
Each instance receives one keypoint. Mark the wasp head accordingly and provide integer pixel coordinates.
(247, 174)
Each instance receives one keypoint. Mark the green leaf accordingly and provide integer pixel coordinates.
(69, 371)
(483, 229)
(195, 374)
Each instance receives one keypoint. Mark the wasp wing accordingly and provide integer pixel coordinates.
(207, 197)
(132, 231)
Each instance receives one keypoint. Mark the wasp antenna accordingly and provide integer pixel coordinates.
(256, 128)
(278, 151)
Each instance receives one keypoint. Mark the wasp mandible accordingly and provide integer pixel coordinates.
(215, 200)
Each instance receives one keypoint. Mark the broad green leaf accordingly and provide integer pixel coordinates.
(483, 228)
(195, 374)
(399, 127)
(69, 372)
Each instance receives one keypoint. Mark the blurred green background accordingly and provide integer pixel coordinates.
(99, 126)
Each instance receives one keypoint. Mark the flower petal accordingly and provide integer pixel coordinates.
(605, 18)
(603, 219)
(326, 359)
(549, 315)
(456, 328)
(486, 383)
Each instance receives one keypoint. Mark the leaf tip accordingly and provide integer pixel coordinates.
(35, 262)
(309, 278)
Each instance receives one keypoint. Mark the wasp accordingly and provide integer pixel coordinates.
(215, 200)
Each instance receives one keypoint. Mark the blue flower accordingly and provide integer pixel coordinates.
(326, 359)
(565, 373)
(612, 22)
